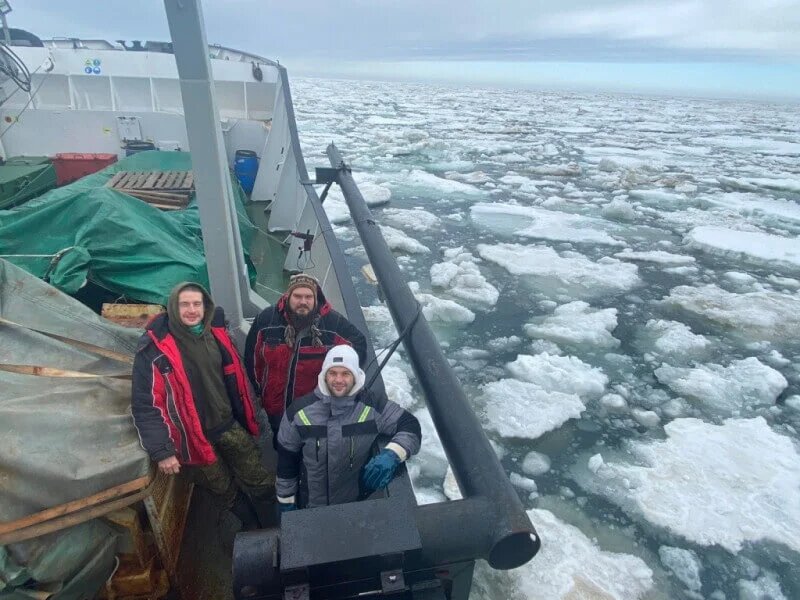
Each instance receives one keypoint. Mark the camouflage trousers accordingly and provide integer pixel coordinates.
(238, 466)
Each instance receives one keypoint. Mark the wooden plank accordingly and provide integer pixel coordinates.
(151, 179)
(76, 505)
(161, 196)
(113, 181)
(189, 180)
(40, 371)
(123, 180)
(173, 175)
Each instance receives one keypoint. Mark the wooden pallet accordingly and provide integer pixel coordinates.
(168, 190)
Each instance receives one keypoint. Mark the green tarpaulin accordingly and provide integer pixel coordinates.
(87, 232)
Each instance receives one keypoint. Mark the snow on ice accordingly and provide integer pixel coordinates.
(462, 278)
(762, 249)
(397, 240)
(545, 224)
(571, 567)
(711, 484)
(578, 324)
(762, 315)
(569, 273)
(744, 384)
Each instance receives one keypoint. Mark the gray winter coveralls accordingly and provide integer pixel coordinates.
(332, 438)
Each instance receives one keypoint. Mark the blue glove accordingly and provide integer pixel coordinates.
(285, 507)
(378, 472)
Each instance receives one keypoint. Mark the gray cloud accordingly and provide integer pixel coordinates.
(621, 30)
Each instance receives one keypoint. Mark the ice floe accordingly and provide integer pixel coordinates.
(568, 273)
(765, 587)
(684, 564)
(535, 463)
(668, 340)
(419, 178)
(762, 249)
(566, 374)
(462, 278)
(374, 195)
(656, 256)
(755, 315)
(415, 219)
(744, 384)
(578, 324)
(441, 309)
(397, 240)
(722, 484)
(544, 224)
(570, 567)
(520, 409)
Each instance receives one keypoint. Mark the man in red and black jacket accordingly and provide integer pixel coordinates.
(192, 408)
(287, 344)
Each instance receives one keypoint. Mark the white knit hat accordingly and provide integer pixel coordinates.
(341, 356)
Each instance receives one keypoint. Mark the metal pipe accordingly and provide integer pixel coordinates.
(512, 540)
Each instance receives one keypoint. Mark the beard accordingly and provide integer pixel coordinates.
(301, 322)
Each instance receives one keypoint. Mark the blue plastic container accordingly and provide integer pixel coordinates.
(245, 167)
(135, 146)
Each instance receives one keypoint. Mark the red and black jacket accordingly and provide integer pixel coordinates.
(280, 373)
(162, 403)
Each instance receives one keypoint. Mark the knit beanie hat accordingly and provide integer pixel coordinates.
(341, 356)
(303, 280)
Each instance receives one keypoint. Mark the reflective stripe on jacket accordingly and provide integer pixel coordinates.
(332, 438)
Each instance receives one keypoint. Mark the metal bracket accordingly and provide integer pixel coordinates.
(392, 581)
(326, 175)
(297, 592)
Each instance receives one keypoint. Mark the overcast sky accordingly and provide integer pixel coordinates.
(375, 32)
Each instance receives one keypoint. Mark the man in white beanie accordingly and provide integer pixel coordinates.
(331, 432)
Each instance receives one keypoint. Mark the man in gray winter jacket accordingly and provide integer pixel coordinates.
(331, 432)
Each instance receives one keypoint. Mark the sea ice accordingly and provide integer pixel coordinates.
(570, 567)
(462, 278)
(712, 484)
(520, 409)
(776, 212)
(398, 387)
(659, 198)
(397, 240)
(374, 195)
(684, 564)
(656, 256)
(534, 222)
(450, 485)
(418, 178)
(744, 384)
(431, 458)
(535, 463)
(415, 219)
(619, 210)
(578, 324)
(570, 273)
(672, 340)
(566, 374)
(762, 249)
(762, 315)
(503, 344)
(765, 587)
(443, 310)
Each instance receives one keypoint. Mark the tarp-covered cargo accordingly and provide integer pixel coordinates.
(86, 231)
(62, 439)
